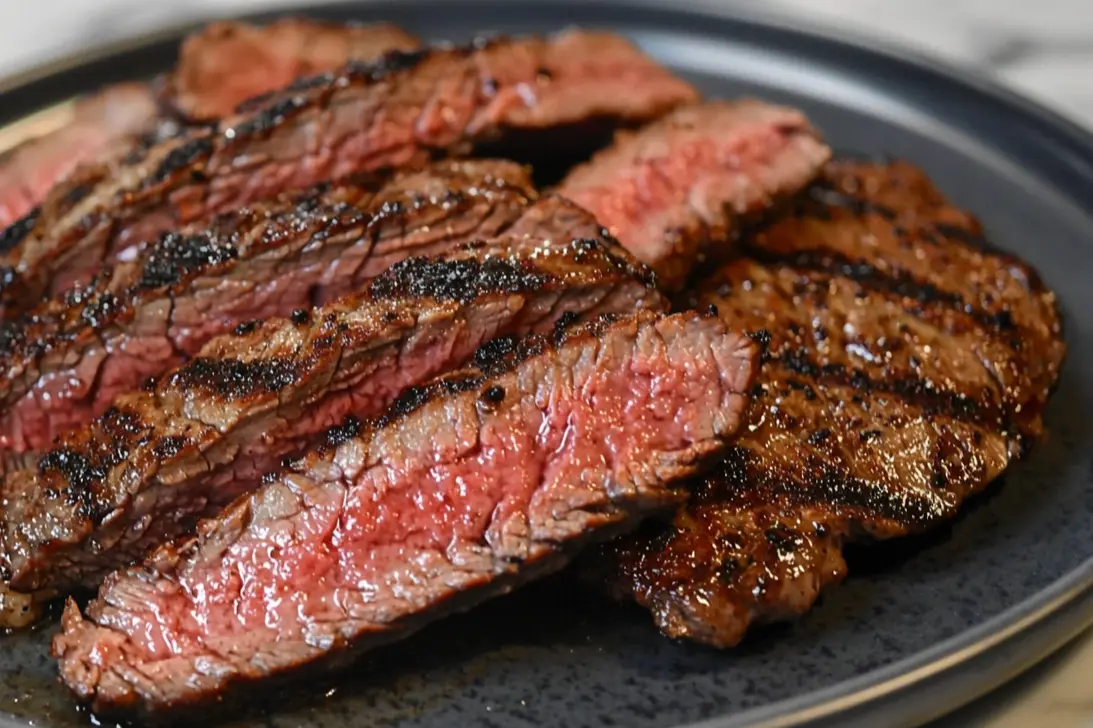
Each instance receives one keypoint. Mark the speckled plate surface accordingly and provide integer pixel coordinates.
(921, 626)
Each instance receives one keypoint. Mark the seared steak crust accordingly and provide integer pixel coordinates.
(395, 112)
(679, 184)
(228, 62)
(71, 356)
(466, 488)
(909, 365)
(209, 430)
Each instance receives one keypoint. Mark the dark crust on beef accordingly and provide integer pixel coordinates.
(85, 484)
(207, 171)
(908, 364)
(568, 501)
(441, 205)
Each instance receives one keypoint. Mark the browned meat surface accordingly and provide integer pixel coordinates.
(396, 112)
(66, 362)
(228, 62)
(468, 487)
(688, 180)
(204, 433)
(97, 123)
(908, 366)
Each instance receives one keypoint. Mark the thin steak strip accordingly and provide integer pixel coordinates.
(228, 62)
(67, 361)
(397, 112)
(673, 188)
(465, 489)
(208, 431)
(909, 366)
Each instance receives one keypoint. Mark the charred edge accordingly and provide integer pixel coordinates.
(873, 279)
(16, 232)
(233, 379)
(346, 431)
(175, 256)
(183, 157)
(762, 338)
(456, 280)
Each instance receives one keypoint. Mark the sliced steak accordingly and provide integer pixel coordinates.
(95, 124)
(467, 488)
(67, 361)
(228, 62)
(208, 431)
(909, 365)
(688, 180)
(397, 112)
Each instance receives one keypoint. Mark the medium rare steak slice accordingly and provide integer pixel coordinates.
(677, 185)
(95, 125)
(228, 62)
(908, 367)
(396, 112)
(67, 361)
(204, 433)
(468, 487)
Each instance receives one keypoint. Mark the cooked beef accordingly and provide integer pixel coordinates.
(228, 62)
(204, 433)
(466, 488)
(908, 366)
(669, 190)
(91, 128)
(66, 362)
(396, 112)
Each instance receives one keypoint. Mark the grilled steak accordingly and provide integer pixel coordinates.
(226, 63)
(367, 116)
(204, 433)
(468, 487)
(909, 366)
(688, 180)
(97, 122)
(73, 355)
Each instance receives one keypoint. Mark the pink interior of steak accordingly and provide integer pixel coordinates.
(461, 492)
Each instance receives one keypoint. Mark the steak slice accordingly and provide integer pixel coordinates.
(671, 189)
(396, 112)
(204, 433)
(67, 361)
(95, 124)
(467, 488)
(228, 62)
(909, 365)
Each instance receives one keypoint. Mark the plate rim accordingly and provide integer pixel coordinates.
(1031, 629)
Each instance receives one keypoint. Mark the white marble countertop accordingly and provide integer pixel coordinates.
(1043, 48)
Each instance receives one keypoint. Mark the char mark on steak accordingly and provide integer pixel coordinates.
(95, 125)
(909, 365)
(468, 487)
(202, 434)
(682, 184)
(228, 62)
(71, 356)
(399, 111)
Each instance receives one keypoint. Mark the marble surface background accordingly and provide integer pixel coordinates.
(1044, 48)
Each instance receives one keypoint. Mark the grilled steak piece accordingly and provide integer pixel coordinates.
(468, 487)
(95, 125)
(185, 446)
(228, 62)
(681, 183)
(909, 366)
(67, 361)
(396, 112)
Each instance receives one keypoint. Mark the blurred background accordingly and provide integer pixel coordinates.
(1043, 48)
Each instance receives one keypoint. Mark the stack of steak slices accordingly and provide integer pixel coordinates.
(66, 361)
(909, 365)
(185, 445)
(395, 112)
(469, 486)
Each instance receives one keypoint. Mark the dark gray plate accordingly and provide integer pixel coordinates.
(921, 626)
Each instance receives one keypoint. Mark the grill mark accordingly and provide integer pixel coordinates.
(182, 157)
(14, 233)
(455, 280)
(233, 379)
